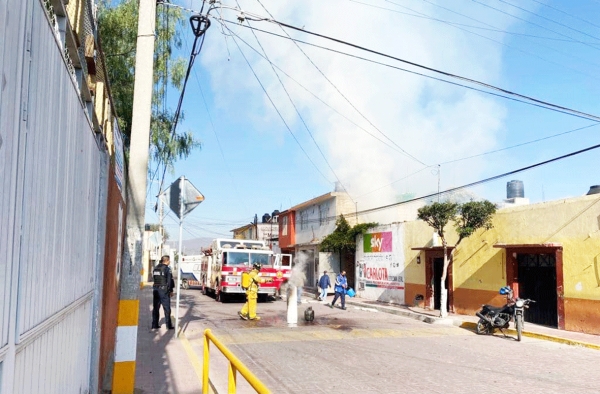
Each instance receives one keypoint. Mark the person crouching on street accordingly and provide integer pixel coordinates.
(324, 284)
(341, 283)
(248, 311)
(162, 290)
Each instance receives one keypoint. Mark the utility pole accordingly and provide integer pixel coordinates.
(126, 341)
(160, 227)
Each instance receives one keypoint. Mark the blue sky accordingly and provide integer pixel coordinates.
(383, 132)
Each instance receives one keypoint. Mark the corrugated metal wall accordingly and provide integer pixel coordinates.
(50, 187)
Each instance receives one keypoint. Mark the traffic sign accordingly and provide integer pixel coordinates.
(180, 191)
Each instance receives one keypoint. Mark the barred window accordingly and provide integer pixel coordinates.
(323, 210)
(303, 220)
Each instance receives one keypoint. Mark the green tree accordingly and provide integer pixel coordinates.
(343, 238)
(117, 26)
(156, 227)
(467, 218)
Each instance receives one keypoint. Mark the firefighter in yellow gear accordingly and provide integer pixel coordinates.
(248, 311)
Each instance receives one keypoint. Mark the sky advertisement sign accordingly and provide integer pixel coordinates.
(380, 265)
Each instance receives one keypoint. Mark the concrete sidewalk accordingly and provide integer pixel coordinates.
(469, 322)
(164, 364)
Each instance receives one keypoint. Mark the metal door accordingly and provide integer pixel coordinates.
(537, 280)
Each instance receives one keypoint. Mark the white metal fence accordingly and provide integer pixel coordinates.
(52, 185)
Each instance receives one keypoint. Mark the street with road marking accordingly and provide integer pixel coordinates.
(361, 350)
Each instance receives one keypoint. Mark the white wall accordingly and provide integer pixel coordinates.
(51, 197)
(319, 221)
(380, 265)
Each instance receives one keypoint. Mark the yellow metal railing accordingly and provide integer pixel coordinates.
(235, 365)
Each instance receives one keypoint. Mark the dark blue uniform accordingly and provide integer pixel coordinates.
(163, 287)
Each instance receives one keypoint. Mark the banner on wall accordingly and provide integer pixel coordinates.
(378, 268)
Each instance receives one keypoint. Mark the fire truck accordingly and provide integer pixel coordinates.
(223, 263)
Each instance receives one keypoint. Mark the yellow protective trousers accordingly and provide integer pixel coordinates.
(249, 308)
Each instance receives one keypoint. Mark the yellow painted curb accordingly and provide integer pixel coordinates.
(472, 326)
(193, 357)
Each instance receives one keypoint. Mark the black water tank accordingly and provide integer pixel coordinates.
(266, 218)
(515, 189)
(275, 213)
(594, 190)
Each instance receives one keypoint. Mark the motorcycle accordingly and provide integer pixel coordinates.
(492, 318)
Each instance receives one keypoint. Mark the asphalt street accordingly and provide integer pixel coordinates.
(361, 350)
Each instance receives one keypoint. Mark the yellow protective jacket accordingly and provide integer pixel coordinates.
(255, 282)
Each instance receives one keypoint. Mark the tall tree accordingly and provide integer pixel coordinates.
(117, 25)
(467, 218)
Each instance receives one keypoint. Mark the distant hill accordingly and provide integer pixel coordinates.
(191, 246)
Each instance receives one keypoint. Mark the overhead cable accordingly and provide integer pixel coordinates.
(483, 180)
(413, 72)
(303, 87)
(342, 94)
(425, 16)
(555, 22)
(451, 75)
(199, 23)
(566, 13)
(530, 22)
(503, 43)
(299, 114)
(277, 110)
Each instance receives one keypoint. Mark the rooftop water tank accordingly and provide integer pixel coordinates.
(515, 189)
(594, 190)
(266, 217)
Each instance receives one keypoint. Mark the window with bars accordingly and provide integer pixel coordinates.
(303, 220)
(323, 211)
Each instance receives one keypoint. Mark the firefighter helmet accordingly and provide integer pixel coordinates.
(257, 266)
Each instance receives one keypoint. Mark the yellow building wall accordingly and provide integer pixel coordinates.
(479, 269)
(418, 234)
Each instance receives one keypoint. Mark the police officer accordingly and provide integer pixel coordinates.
(162, 291)
(249, 309)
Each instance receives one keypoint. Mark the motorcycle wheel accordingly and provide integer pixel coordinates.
(519, 324)
(483, 327)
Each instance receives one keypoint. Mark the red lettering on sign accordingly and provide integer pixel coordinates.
(376, 273)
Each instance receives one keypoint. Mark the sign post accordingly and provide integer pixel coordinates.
(182, 197)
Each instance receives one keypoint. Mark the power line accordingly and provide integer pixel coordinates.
(566, 13)
(491, 28)
(213, 125)
(298, 112)
(277, 110)
(411, 72)
(303, 87)
(521, 144)
(199, 25)
(532, 23)
(553, 21)
(503, 43)
(447, 74)
(483, 180)
(479, 155)
(543, 104)
(342, 94)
